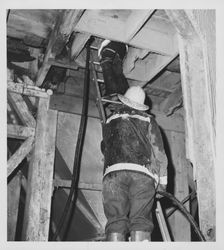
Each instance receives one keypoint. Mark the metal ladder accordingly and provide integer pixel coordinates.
(100, 101)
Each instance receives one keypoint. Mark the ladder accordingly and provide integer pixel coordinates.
(100, 101)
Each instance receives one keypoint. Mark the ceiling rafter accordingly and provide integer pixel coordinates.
(64, 25)
(109, 27)
(137, 19)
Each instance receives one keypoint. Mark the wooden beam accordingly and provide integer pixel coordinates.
(199, 110)
(81, 185)
(19, 155)
(172, 101)
(24, 185)
(92, 219)
(40, 176)
(69, 20)
(145, 70)
(19, 132)
(174, 66)
(137, 19)
(92, 22)
(68, 64)
(180, 227)
(88, 215)
(45, 65)
(78, 44)
(131, 57)
(20, 27)
(21, 109)
(13, 196)
(170, 123)
(59, 36)
(72, 104)
(95, 201)
(28, 90)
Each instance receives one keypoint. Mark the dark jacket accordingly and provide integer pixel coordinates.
(121, 144)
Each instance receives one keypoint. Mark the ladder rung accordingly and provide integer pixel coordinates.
(111, 101)
(93, 47)
(96, 63)
(100, 80)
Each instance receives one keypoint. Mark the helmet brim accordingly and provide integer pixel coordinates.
(132, 104)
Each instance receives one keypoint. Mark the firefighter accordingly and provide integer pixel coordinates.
(135, 165)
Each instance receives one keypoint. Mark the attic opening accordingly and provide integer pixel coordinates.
(46, 49)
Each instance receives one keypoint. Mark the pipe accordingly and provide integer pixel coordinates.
(184, 211)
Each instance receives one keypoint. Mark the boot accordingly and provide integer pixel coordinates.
(140, 236)
(111, 48)
(115, 237)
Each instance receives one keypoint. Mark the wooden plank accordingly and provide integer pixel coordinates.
(154, 40)
(19, 132)
(81, 185)
(78, 44)
(13, 196)
(200, 137)
(145, 71)
(21, 109)
(88, 215)
(29, 90)
(132, 55)
(95, 201)
(72, 104)
(24, 185)
(45, 65)
(65, 23)
(93, 23)
(19, 155)
(20, 27)
(137, 19)
(171, 123)
(69, 20)
(64, 64)
(40, 176)
(180, 227)
(172, 101)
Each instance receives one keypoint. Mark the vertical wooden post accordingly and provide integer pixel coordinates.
(198, 95)
(40, 178)
(180, 226)
(13, 195)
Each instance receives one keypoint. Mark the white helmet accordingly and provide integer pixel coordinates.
(134, 98)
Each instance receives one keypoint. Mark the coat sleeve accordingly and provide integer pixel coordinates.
(158, 151)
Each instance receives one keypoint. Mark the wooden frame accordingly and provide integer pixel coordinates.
(198, 77)
(19, 155)
(40, 179)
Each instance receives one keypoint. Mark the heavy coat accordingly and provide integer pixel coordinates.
(124, 150)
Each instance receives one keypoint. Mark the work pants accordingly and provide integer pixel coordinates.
(128, 199)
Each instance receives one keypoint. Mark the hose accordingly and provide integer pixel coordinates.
(184, 211)
(78, 154)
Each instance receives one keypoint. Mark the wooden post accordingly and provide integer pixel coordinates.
(198, 80)
(40, 178)
(13, 195)
(180, 226)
